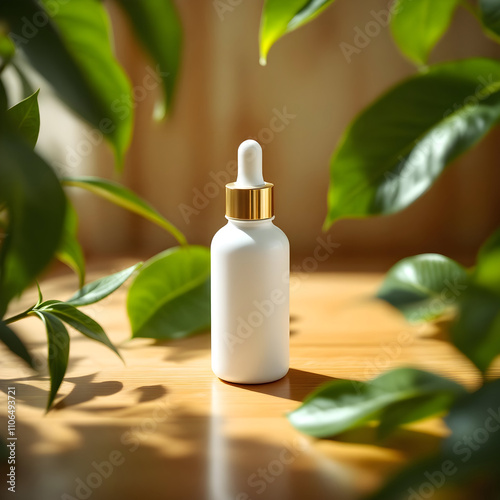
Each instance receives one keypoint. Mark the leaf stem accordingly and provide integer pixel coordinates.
(19, 316)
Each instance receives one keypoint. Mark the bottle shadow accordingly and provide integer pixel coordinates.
(295, 385)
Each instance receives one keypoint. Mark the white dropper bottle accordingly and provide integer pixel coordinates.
(250, 260)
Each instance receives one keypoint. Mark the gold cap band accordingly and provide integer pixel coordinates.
(249, 203)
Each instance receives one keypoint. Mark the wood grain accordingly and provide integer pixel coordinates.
(174, 431)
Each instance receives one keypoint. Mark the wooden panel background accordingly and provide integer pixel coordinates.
(224, 97)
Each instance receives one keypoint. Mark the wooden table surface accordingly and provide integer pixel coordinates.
(166, 428)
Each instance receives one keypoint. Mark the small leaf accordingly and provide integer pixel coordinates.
(101, 288)
(15, 344)
(170, 297)
(81, 322)
(24, 119)
(72, 50)
(490, 15)
(40, 295)
(341, 405)
(280, 17)
(424, 287)
(36, 205)
(417, 25)
(58, 342)
(70, 252)
(123, 197)
(395, 150)
(157, 26)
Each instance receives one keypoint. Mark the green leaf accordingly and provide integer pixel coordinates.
(487, 271)
(101, 288)
(58, 342)
(73, 52)
(7, 48)
(79, 321)
(70, 252)
(490, 15)
(123, 197)
(341, 405)
(394, 151)
(24, 119)
(36, 205)
(170, 297)
(425, 286)
(158, 27)
(479, 410)
(417, 25)
(15, 344)
(280, 17)
(476, 331)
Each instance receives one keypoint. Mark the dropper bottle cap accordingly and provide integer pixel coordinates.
(249, 198)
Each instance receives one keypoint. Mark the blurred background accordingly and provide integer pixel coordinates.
(297, 108)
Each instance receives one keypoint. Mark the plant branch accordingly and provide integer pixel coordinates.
(19, 316)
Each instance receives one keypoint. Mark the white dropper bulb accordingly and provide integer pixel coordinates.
(249, 165)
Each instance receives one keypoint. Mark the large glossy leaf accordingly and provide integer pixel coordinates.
(123, 197)
(69, 251)
(24, 119)
(79, 321)
(396, 397)
(73, 52)
(36, 205)
(14, 344)
(170, 297)
(394, 151)
(417, 25)
(158, 27)
(280, 17)
(490, 15)
(58, 342)
(101, 288)
(425, 286)
(476, 331)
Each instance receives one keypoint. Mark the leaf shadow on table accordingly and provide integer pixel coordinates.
(295, 385)
(212, 465)
(179, 350)
(85, 389)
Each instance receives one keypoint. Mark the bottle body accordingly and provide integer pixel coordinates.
(250, 262)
